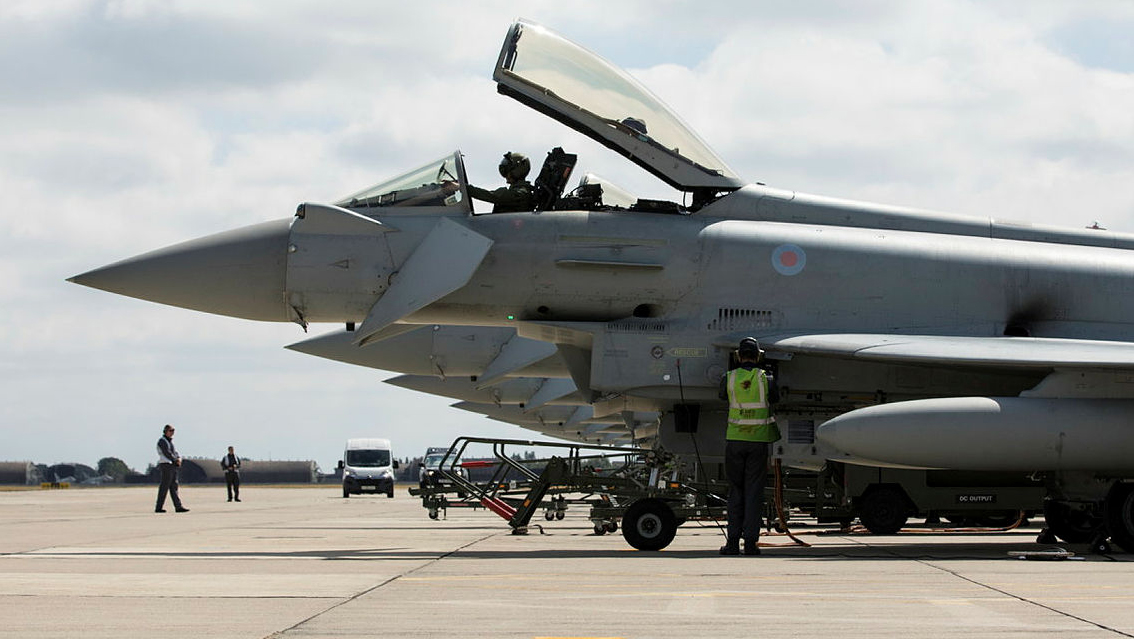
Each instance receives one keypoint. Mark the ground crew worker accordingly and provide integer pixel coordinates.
(231, 465)
(518, 195)
(752, 428)
(168, 462)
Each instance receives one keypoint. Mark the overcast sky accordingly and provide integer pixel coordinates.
(129, 125)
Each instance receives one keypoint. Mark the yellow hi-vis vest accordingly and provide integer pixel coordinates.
(749, 416)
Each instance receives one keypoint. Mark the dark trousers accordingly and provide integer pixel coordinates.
(168, 484)
(746, 468)
(232, 483)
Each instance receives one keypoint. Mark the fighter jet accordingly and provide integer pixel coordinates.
(898, 336)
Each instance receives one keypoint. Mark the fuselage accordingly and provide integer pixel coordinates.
(784, 277)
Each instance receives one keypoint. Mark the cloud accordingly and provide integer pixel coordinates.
(939, 111)
(128, 125)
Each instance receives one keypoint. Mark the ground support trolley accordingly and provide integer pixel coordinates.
(644, 490)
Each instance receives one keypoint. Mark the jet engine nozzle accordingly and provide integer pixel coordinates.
(239, 273)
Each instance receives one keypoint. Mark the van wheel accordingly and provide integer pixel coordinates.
(390, 494)
(346, 493)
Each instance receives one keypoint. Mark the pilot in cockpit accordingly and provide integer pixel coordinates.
(518, 195)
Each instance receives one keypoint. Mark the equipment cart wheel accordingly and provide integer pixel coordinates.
(884, 510)
(1120, 515)
(559, 514)
(600, 529)
(611, 526)
(1072, 525)
(1100, 546)
(649, 524)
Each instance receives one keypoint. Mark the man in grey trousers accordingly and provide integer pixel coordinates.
(168, 462)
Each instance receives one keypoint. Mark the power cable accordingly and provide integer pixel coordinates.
(697, 452)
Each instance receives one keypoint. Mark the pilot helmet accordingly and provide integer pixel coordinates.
(515, 166)
(750, 349)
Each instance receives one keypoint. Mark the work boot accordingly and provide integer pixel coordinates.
(751, 548)
(730, 549)
(182, 510)
(159, 510)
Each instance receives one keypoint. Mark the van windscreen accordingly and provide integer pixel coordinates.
(367, 458)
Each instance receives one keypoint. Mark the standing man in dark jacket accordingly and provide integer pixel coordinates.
(231, 465)
(751, 430)
(168, 461)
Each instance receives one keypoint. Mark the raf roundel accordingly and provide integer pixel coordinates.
(788, 259)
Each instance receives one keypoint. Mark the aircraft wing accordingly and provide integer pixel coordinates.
(940, 350)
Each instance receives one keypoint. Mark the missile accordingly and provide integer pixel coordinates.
(989, 433)
(516, 390)
(446, 351)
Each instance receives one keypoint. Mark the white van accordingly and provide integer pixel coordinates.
(368, 462)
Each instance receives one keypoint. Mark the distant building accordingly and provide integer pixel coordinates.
(19, 473)
(202, 470)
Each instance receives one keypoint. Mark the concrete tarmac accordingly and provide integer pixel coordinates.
(304, 562)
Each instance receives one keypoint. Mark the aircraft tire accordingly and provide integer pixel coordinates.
(649, 524)
(1119, 515)
(1072, 525)
(884, 510)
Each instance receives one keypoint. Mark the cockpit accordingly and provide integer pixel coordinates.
(443, 183)
(557, 77)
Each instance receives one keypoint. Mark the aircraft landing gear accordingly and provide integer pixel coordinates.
(1119, 515)
(1072, 525)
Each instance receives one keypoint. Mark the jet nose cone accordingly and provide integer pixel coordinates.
(239, 273)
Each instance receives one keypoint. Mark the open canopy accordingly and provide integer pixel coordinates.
(558, 77)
